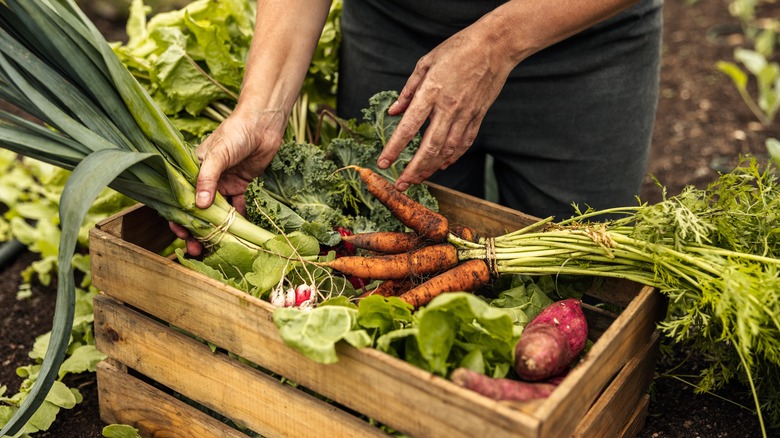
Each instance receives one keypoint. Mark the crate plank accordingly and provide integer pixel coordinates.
(125, 399)
(621, 341)
(637, 421)
(490, 218)
(618, 402)
(216, 381)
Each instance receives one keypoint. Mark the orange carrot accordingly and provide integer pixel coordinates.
(464, 232)
(426, 260)
(390, 288)
(467, 277)
(388, 242)
(424, 221)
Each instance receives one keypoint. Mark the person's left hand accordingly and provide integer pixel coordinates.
(453, 86)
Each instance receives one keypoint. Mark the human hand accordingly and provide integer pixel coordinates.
(238, 151)
(453, 86)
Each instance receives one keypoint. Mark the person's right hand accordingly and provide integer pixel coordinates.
(238, 151)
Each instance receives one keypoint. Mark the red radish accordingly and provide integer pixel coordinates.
(551, 341)
(501, 389)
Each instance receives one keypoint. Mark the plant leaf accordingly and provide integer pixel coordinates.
(86, 182)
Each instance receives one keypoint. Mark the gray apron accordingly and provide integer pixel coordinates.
(573, 123)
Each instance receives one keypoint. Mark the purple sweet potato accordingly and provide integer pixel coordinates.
(501, 389)
(551, 341)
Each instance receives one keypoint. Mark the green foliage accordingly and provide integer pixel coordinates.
(306, 186)
(761, 69)
(455, 329)
(192, 60)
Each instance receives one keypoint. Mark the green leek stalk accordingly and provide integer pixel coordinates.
(98, 121)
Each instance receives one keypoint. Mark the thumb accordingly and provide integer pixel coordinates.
(206, 186)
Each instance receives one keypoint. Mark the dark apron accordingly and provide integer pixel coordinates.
(573, 123)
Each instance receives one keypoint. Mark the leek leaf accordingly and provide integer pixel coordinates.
(85, 184)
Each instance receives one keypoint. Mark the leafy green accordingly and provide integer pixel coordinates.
(306, 185)
(315, 332)
(192, 60)
(120, 431)
(454, 329)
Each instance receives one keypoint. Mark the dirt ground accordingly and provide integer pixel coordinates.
(702, 127)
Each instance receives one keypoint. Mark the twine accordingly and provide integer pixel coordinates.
(215, 236)
(490, 256)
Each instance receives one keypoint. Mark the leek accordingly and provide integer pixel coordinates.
(93, 118)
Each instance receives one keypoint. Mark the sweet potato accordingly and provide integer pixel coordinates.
(551, 341)
(501, 389)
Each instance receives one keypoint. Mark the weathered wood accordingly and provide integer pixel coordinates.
(365, 381)
(125, 399)
(615, 406)
(637, 421)
(256, 400)
(242, 325)
(491, 219)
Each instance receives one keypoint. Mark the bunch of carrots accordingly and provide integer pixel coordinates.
(416, 266)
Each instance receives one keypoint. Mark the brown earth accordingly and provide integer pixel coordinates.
(702, 127)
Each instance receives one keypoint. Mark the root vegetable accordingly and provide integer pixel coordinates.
(388, 242)
(464, 232)
(501, 389)
(467, 276)
(426, 260)
(390, 288)
(424, 221)
(551, 341)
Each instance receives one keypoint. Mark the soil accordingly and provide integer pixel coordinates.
(702, 127)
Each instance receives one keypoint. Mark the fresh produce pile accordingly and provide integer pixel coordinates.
(307, 245)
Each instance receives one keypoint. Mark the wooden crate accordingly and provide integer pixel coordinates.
(165, 382)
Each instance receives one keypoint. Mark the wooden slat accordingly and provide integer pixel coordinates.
(622, 341)
(125, 399)
(141, 226)
(637, 421)
(488, 218)
(616, 405)
(260, 402)
(242, 324)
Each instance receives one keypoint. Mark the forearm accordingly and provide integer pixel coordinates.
(286, 35)
(521, 28)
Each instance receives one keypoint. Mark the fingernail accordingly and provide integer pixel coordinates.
(383, 163)
(402, 186)
(202, 199)
(395, 104)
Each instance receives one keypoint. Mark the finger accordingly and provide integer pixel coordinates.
(208, 177)
(178, 230)
(194, 248)
(461, 142)
(428, 157)
(239, 203)
(407, 128)
(407, 93)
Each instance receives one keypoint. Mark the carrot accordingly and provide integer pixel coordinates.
(464, 232)
(551, 341)
(501, 389)
(424, 221)
(467, 277)
(390, 288)
(426, 260)
(388, 242)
